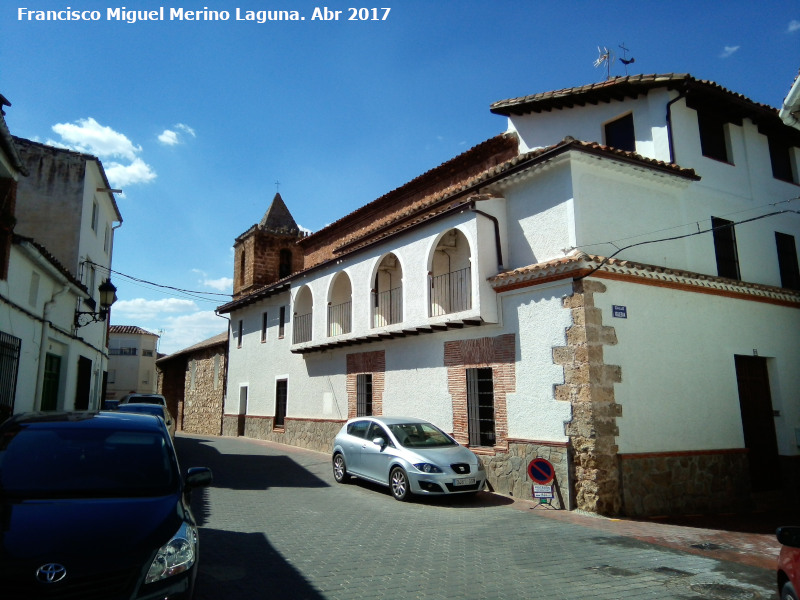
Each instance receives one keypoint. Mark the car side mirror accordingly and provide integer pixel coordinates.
(789, 536)
(197, 477)
(379, 441)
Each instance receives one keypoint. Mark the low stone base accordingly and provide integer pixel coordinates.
(684, 482)
(507, 472)
(306, 433)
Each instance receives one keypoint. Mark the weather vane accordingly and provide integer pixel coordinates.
(277, 186)
(625, 60)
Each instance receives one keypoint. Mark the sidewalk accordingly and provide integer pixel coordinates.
(745, 538)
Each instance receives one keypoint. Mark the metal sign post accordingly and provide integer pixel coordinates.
(542, 474)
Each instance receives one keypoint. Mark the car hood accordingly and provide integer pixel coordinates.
(123, 531)
(443, 456)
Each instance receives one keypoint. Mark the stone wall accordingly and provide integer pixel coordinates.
(589, 388)
(684, 482)
(203, 401)
(507, 472)
(314, 434)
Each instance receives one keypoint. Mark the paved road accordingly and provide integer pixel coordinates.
(275, 525)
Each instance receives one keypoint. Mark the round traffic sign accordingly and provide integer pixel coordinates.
(541, 471)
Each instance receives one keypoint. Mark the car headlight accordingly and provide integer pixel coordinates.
(428, 468)
(176, 556)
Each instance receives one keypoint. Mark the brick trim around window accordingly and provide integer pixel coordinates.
(366, 362)
(497, 353)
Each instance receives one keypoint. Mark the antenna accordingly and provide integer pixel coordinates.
(607, 57)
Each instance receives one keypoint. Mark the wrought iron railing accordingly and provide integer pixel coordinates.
(301, 328)
(451, 292)
(388, 307)
(340, 319)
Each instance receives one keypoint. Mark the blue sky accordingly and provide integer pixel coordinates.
(197, 120)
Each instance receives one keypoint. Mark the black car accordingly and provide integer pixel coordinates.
(93, 507)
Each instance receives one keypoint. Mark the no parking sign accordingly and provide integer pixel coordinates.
(542, 473)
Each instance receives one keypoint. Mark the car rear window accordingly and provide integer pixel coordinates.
(58, 462)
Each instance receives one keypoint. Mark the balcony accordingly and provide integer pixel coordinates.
(451, 292)
(340, 318)
(301, 328)
(388, 307)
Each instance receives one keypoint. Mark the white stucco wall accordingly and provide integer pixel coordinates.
(676, 350)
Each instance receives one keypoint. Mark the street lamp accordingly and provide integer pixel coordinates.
(108, 295)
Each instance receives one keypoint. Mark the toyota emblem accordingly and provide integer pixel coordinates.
(51, 573)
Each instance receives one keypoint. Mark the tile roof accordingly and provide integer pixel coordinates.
(20, 239)
(129, 330)
(618, 88)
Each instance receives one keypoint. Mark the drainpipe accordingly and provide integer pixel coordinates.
(682, 94)
(43, 345)
(498, 247)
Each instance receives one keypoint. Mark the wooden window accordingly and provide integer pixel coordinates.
(239, 334)
(263, 327)
(480, 407)
(363, 394)
(787, 261)
(620, 134)
(713, 137)
(281, 395)
(725, 248)
(282, 323)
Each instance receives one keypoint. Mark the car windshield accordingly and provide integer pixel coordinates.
(420, 435)
(61, 462)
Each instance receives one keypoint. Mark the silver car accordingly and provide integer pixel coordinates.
(409, 456)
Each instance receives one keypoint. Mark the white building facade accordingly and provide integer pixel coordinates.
(132, 358)
(63, 223)
(612, 284)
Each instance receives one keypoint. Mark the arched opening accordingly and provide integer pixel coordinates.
(340, 305)
(450, 275)
(387, 293)
(303, 316)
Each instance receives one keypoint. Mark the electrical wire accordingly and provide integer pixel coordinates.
(686, 235)
(198, 295)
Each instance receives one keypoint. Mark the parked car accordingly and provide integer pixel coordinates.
(143, 399)
(94, 507)
(789, 563)
(150, 409)
(410, 456)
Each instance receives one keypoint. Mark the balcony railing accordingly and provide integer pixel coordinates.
(301, 328)
(340, 319)
(388, 307)
(451, 292)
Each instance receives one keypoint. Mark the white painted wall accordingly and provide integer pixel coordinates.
(676, 349)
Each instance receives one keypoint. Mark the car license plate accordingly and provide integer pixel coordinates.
(466, 481)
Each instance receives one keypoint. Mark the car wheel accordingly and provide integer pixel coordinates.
(398, 482)
(788, 592)
(340, 473)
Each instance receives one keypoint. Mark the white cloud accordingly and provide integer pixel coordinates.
(87, 135)
(729, 51)
(169, 137)
(141, 309)
(186, 330)
(123, 175)
(794, 25)
(223, 284)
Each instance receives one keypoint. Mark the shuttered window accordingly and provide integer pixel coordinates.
(364, 394)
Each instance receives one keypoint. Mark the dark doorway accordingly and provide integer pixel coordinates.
(758, 422)
(50, 383)
(83, 387)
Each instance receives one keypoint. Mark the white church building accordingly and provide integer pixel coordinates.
(611, 284)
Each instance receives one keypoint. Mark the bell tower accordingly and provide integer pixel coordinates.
(267, 252)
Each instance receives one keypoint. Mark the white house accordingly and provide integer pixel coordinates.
(57, 286)
(132, 361)
(611, 284)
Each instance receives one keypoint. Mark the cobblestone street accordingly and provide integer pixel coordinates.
(275, 525)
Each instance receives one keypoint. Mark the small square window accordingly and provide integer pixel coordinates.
(620, 134)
